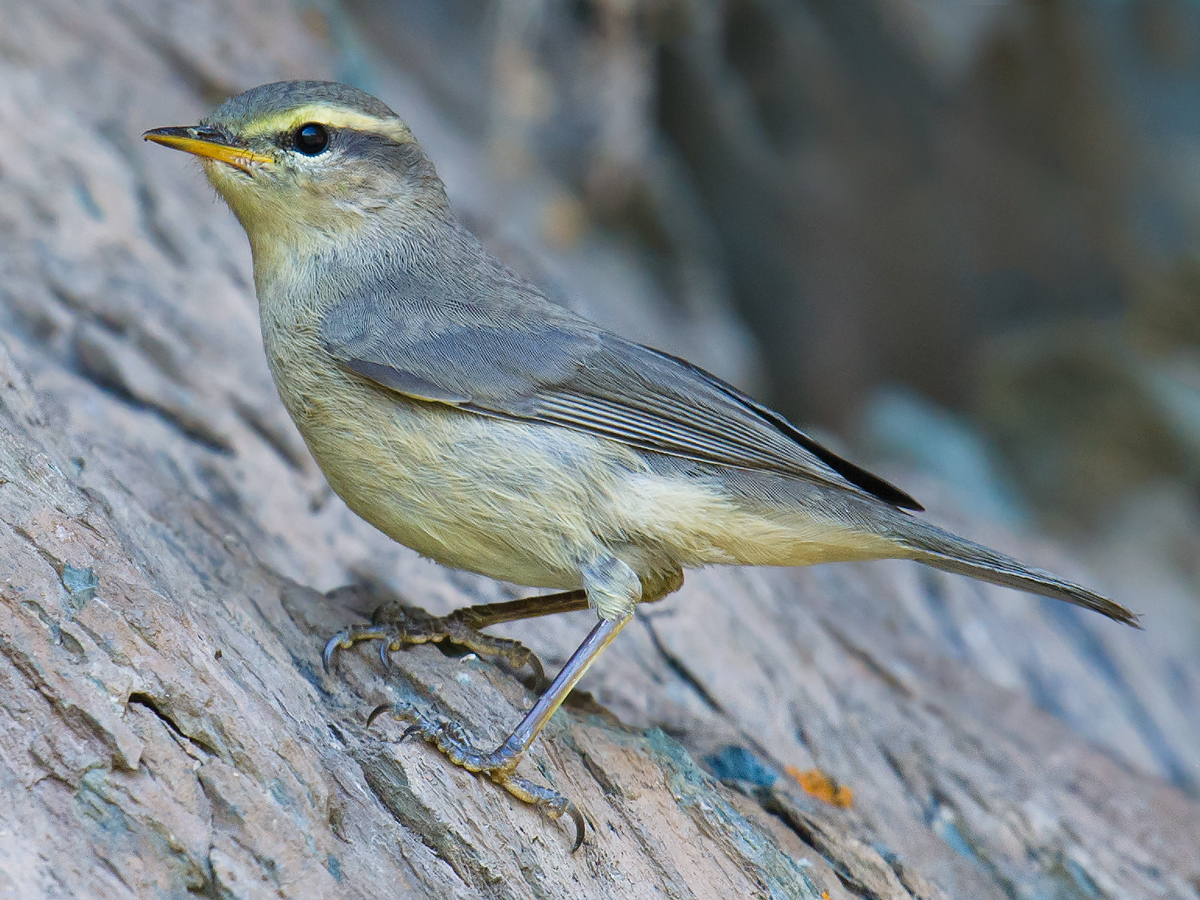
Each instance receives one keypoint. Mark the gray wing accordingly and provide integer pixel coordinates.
(548, 365)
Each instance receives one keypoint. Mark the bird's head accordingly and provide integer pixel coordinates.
(298, 160)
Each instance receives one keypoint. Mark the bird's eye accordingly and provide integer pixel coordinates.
(311, 138)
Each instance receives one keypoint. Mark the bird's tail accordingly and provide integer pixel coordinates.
(950, 553)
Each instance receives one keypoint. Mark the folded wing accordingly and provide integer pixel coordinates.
(548, 365)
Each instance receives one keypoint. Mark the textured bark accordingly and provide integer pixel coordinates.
(165, 725)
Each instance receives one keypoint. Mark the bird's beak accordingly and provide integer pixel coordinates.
(207, 142)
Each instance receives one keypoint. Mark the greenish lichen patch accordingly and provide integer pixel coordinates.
(81, 584)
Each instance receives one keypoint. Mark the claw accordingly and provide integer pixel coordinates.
(416, 728)
(377, 712)
(385, 657)
(539, 674)
(332, 646)
(577, 818)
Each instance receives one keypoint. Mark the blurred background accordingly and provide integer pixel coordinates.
(951, 237)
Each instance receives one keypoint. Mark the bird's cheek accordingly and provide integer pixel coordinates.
(228, 181)
(252, 206)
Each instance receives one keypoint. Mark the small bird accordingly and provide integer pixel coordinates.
(459, 411)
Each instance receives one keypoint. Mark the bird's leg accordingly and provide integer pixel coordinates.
(397, 625)
(613, 589)
(501, 764)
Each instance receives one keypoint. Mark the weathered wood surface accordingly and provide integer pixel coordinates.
(165, 726)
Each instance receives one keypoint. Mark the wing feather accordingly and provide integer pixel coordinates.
(548, 365)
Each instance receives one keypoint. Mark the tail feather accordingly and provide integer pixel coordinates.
(950, 553)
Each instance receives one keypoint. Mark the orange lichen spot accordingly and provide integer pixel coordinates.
(821, 786)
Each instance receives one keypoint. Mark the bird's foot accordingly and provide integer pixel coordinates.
(397, 625)
(498, 765)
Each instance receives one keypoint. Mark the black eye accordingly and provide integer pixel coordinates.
(311, 139)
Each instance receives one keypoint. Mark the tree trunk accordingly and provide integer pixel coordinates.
(168, 730)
